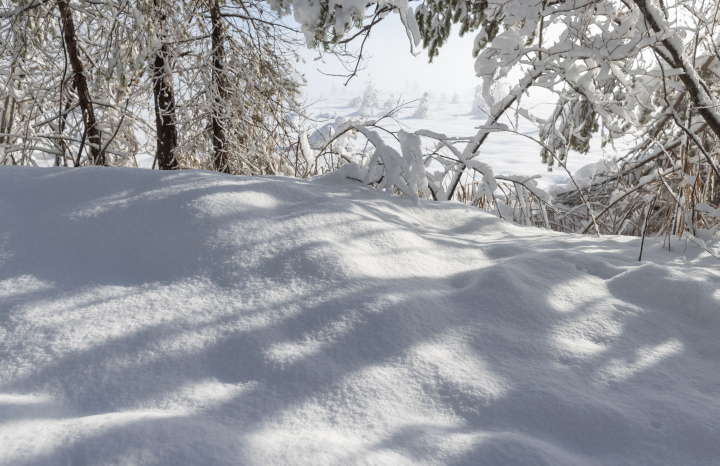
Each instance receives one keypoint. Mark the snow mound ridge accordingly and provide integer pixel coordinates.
(198, 318)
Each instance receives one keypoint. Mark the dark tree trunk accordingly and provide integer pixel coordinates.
(219, 96)
(164, 113)
(165, 119)
(80, 81)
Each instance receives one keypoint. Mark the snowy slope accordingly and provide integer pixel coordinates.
(198, 318)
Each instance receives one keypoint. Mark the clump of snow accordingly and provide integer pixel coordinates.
(586, 176)
(322, 135)
(327, 115)
(346, 144)
(198, 318)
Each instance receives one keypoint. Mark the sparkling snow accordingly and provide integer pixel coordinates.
(198, 318)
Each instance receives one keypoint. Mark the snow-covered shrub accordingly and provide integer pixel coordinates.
(423, 108)
(455, 99)
(355, 102)
(389, 170)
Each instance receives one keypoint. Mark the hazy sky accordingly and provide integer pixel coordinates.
(394, 69)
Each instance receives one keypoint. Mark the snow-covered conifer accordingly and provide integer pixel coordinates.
(369, 102)
(423, 108)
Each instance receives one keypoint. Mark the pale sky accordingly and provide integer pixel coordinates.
(394, 69)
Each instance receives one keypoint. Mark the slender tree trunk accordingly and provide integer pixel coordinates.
(7, 117)
(80, 81)
(62, 157)
(165, 119)
(8, 114)
(219, 91)
(6, 124)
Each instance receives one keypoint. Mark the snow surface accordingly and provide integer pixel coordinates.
(198, 318)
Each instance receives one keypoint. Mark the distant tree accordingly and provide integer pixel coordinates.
(369, 101)
(423, 108)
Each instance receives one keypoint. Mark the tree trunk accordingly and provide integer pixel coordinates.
(80, 81)
(62, 157)
(165, 119)
(7, 117)
(6, 124)
(164, 113)
(219, 90)
(6, 127)
(8, 114)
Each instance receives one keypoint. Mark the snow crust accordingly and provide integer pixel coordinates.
(198, 318)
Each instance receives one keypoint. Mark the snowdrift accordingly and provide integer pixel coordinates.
(198, 318)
